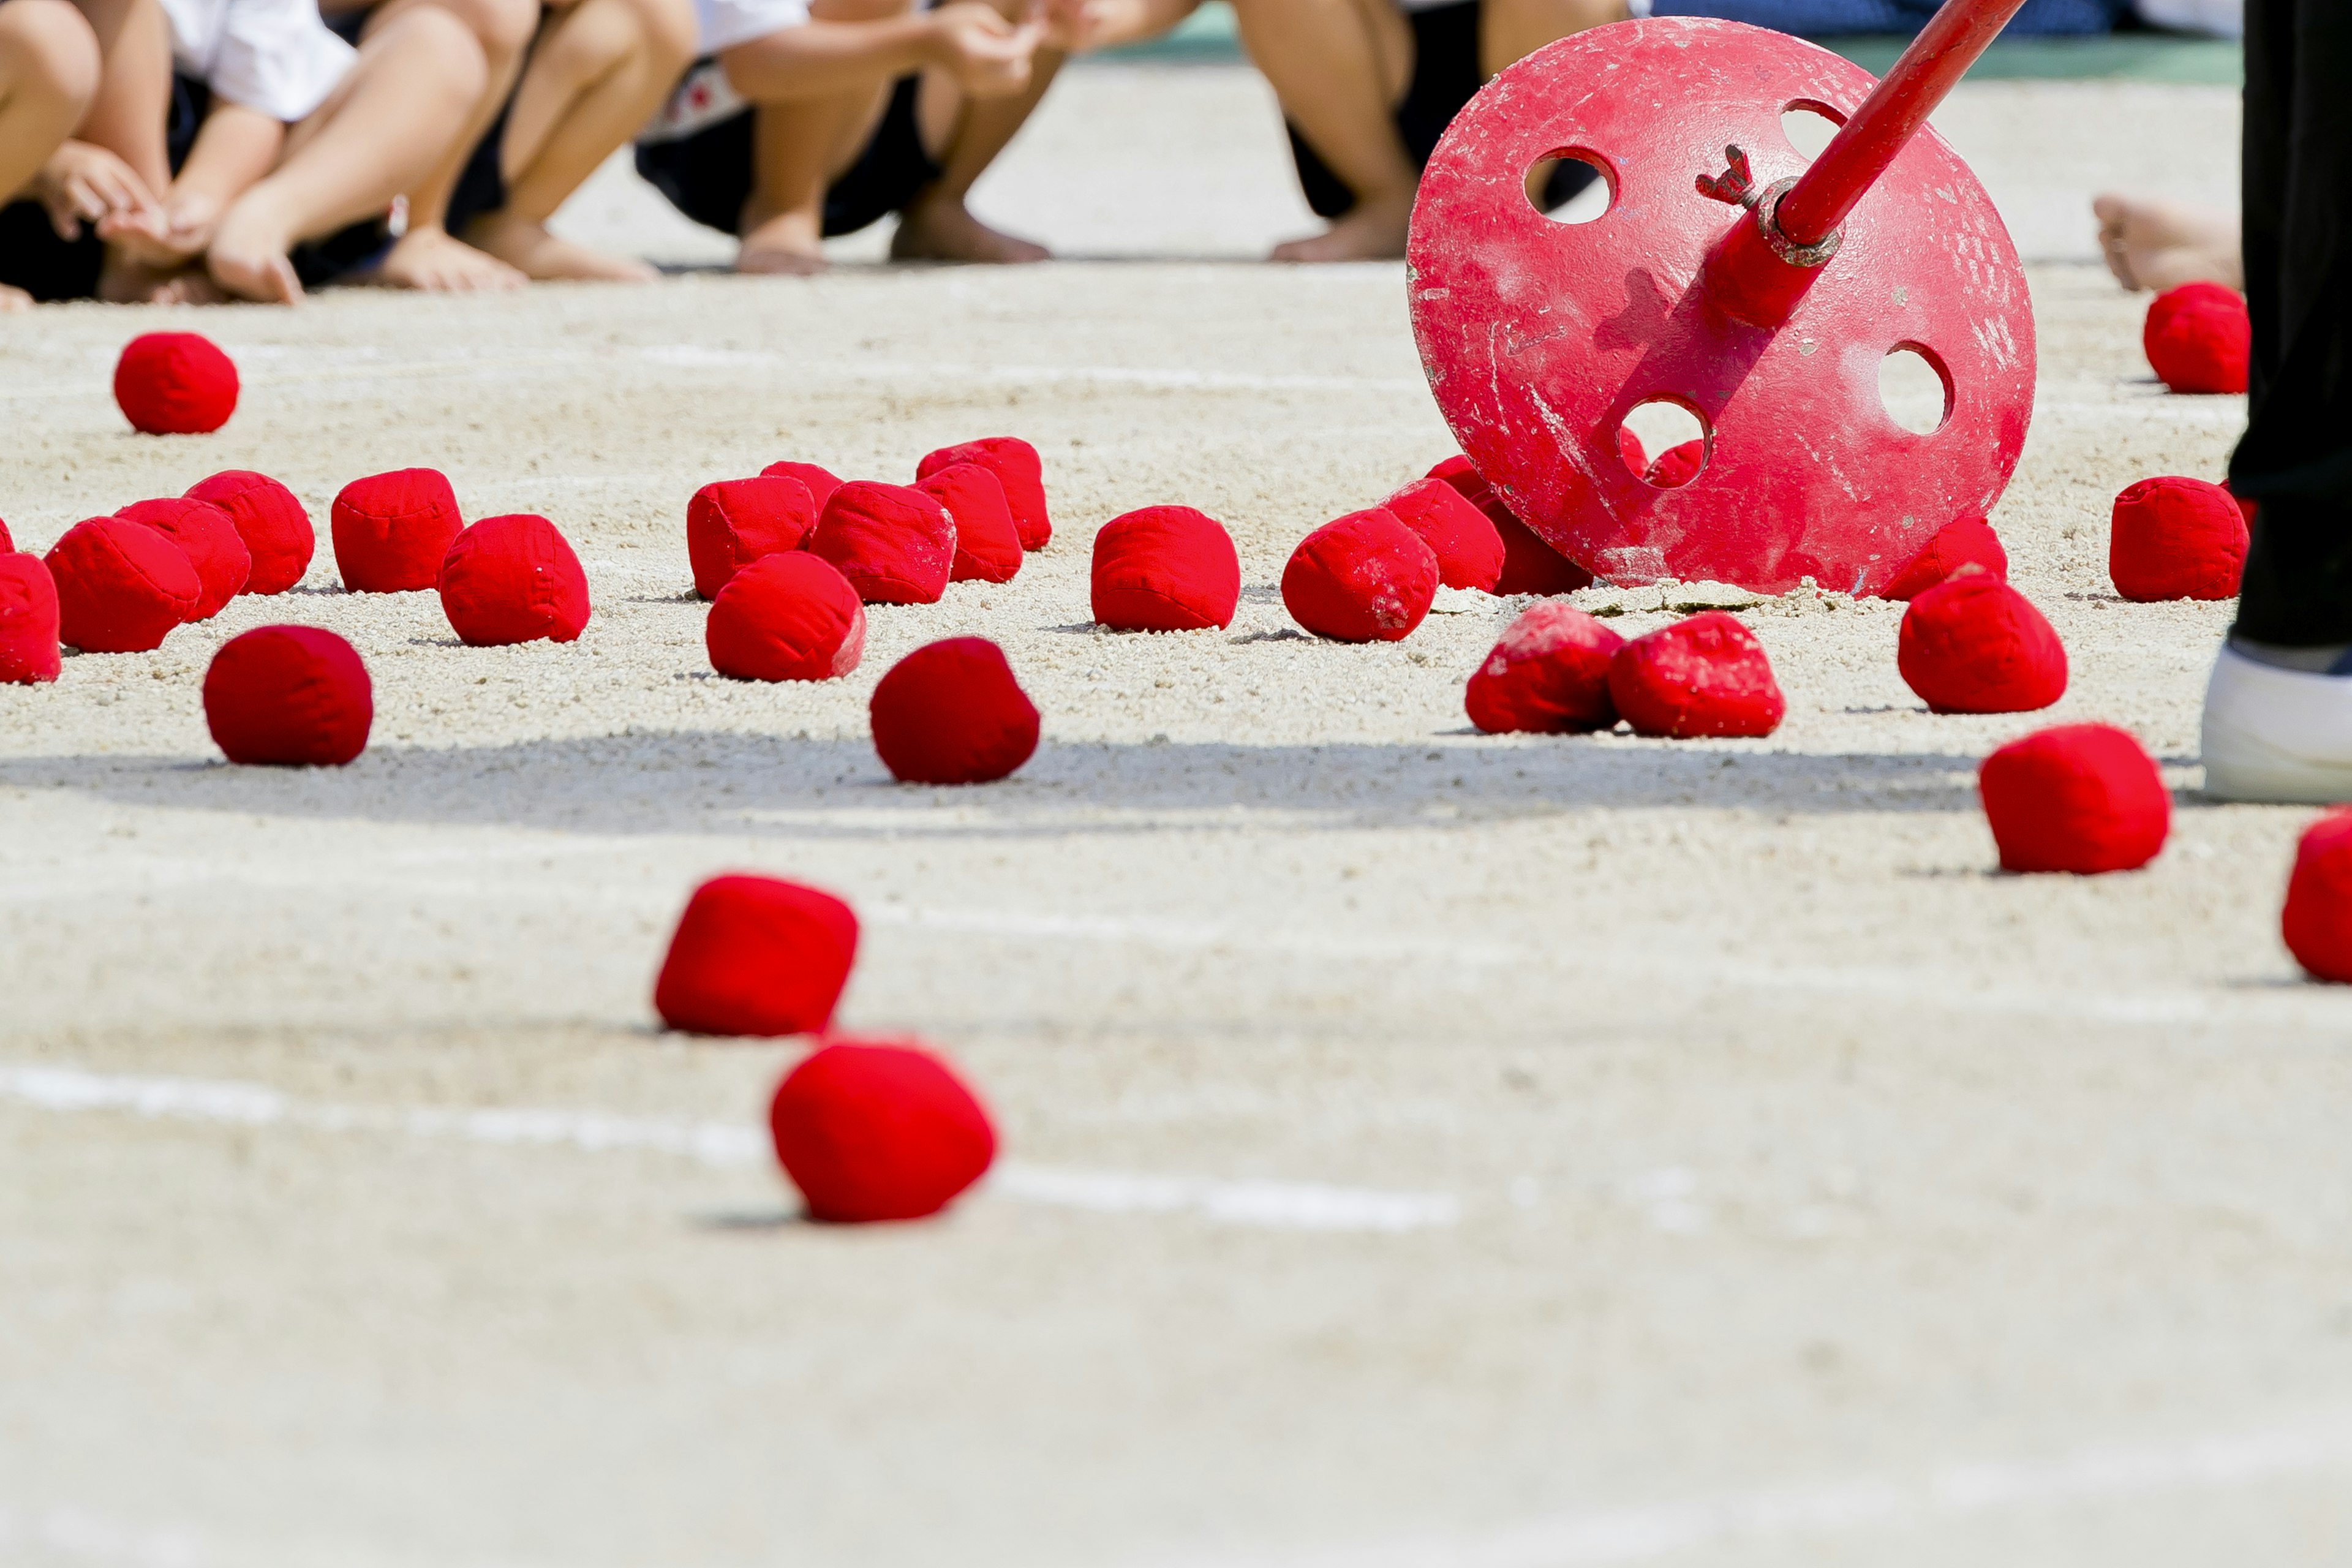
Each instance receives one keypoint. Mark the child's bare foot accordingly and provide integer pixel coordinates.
(1373, 230)
(943, 230)
(2155, 245)
(167, 236)
(124, 278)
(249, 257)
(528, 249)
(787, 243)
(429, 259)
(13, 300)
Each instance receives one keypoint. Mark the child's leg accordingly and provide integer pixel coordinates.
(1511, 30)
(382, 132)
(48, 73)
(593, 80)
(965, 134)
(1338, 68)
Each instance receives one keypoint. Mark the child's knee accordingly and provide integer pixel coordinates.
(48, 54)
(503, 28)
(434, 36)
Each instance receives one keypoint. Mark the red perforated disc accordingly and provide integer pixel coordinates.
(1538, 337)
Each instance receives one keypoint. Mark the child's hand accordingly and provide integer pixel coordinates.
(987, 56)
(84, 184)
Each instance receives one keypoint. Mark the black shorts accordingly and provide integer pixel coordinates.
(1445, 78)
(34, 260)
(708, 175)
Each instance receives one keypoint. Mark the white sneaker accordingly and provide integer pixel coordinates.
(2275, 734)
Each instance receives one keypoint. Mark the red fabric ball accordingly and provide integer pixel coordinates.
(878, 1130)
(1704, 676)
(2175, 537)
(1364, 577)
(288, 696)
(950, 713)
(8, 546)
(1548, 675)
(513, 579)
(1970, 541)
(1676, 466)
(1630, 453)
(2318, 920)
(787, 617)
(987, 542)
(276, 530)
(175, 384)
(1973, 644)
(756, 955)
(391, 530)
(820, 482)
(1468, 546)
(207, 536)
(1014, 463)
(122, 587)
(28, 622)
(2078, 797)
(2200, 339)
(1165, 569)
(895, 545)
(1529, 565)
(734, 522)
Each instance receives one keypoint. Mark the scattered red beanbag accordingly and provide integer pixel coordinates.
(175, 384)
(1549, 674)
(1973, 644)
(2176, 538)
(2200, 339)
(1678, 466)
(122, 587)
(1364, 577)
(787, 617)
(895, 544)
(987, 542)
(276, 530)
(756, 955)
(1529, 565)
(2318, 919)
(734, 522)
(2078, 797)
(1014, 463)
(391, 530)
(1469, 547)
(8, 546)
(1165, 569)
(28, 622)
(207, 536)
(288, 696)
(1704, 676)
(1970, 541)
(513, 579)
(1629, 451)
(820, 482)
(878, 1130)
(950, 713)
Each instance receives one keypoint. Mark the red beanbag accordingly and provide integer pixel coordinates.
(122, 587)
(1970, 541)
(895, 545)
(878, 1130)
(987, 542)
(2200, 339)
(1014, 463)
(2175, 537)
(1549, 674)
(2318, 920)
(1529, 565)
(175, 384)
(288, 696)
(786, 617)
(1678, 466)
(1630, 452)
(1468, 546)
(391, 530)
(734, 522)
(2079, 797)
(1364, 577)
(1704, 676)
(8, 546)
(756, 955)
(950, 713)
(208, 538)
(513, 579)
(1973, 644)
(28, 622)
(820, 482)
(276, 530)
(1165, 569)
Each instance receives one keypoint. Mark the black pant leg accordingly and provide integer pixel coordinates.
(2297, 456)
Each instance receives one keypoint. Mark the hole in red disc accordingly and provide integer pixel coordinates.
(1669, 442)
(1571, 186)
(1809, 126)
(1915, 388)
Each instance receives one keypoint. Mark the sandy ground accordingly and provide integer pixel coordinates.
(1421, 1148)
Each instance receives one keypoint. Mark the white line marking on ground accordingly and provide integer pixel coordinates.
(1281, 1205)
(1844, 1508)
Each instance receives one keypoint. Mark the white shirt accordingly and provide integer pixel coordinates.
(723, 24)
(272, 56)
